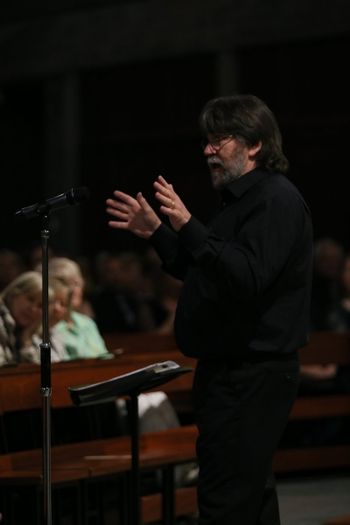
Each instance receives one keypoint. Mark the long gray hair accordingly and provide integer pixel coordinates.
(250, 120)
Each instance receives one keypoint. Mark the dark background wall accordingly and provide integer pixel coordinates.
(108, 96)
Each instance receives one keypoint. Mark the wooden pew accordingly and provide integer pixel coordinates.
(20, 390)
(20, 385)
(110, 457)
(323, 348)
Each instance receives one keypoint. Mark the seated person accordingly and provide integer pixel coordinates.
(330, 377)
(339, 316)
(20, 320)
(121, 302)
(59, 301)
(78, 331)
(328, 261)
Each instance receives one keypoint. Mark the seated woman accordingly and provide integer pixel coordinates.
(78, 331)
(59, 301)
(20, 321)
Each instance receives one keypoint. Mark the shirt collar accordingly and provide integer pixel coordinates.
(240, 186)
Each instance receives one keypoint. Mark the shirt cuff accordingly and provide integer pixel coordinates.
(193, 235)
(163, 238)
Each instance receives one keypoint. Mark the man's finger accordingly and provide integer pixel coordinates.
(118, 213)
(166, 192)
(117, 205)
(118, 225)
(142, 202)
(163, 182)
(124, 197)
(111, 203)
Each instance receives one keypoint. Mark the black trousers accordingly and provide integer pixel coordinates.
(241, 411)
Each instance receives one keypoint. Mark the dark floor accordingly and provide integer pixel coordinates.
(314, 500)
(310, 500)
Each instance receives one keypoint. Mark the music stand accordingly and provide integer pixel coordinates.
(131, 384)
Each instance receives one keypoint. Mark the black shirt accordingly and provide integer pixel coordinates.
(247, 275)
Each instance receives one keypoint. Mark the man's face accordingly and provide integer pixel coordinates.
(228, 159)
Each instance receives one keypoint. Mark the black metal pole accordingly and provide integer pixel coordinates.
(135, 461)
(45, 363)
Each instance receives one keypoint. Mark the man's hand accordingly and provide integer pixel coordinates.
(135, 215)
(171, 204)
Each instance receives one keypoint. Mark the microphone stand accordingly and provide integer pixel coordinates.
(42, 210)
(45, 364)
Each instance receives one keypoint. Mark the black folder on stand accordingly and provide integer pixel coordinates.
(132, 384)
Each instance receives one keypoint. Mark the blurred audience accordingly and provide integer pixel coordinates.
(130, 293)
(121, 301)
(59, 308)
(20, 320)
(328, 260)
(164, 290)
(331, 312)
(69, 271)
(339, 321)
(11, 266)
(33, 255)
(77, 330)
(339, 316)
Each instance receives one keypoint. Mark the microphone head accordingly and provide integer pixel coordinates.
(76, 195)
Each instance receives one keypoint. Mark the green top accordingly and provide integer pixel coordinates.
(81, 337)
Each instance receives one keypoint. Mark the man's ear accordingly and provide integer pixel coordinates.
(254, 150)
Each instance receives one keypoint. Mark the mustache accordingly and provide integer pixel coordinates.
(214, 161)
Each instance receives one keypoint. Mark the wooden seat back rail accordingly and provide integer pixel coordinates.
(110, 457)
(20, 385)
(166, 447)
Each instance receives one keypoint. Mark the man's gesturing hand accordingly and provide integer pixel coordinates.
(134, 215)
(171, 204)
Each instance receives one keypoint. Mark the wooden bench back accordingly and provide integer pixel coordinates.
(20, 385)
(326, 347)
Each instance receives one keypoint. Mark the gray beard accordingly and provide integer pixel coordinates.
(224, 178)
(232, 173)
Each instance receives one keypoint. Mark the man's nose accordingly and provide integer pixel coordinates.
(209, 149)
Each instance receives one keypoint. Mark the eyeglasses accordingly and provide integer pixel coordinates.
(216, 144)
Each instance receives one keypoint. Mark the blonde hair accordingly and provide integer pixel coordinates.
(60, 285)
(26, 283)
(65, 270)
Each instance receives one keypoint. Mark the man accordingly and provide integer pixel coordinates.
(244, 306)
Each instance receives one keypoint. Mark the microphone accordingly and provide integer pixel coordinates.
(68, 198)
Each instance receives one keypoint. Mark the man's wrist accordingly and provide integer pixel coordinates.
(180, 224)
(156, 225)
(154, 228)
